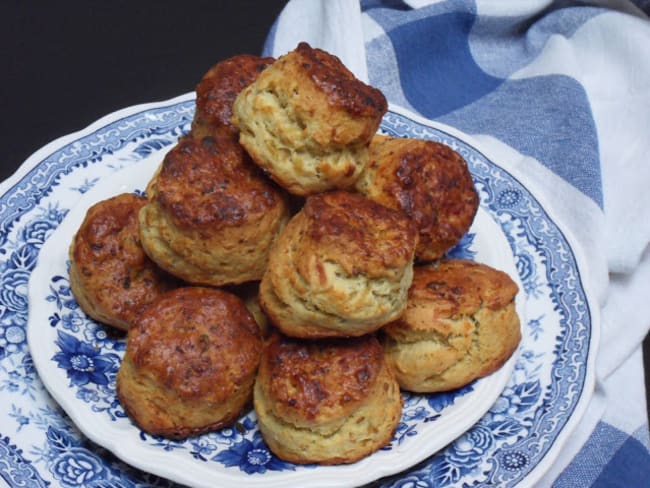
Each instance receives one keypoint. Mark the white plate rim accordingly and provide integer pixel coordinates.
(585, 396)
(99, 430)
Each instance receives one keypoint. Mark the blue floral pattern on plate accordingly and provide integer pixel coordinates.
(40, 444)
(86, 359)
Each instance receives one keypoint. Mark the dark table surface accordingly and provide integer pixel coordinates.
(67, 64)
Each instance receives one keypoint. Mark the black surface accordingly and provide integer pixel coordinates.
(66, 64)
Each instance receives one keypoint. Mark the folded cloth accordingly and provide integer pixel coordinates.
(556, 93)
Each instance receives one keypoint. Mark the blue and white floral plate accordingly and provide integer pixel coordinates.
(77, 362)
(511, 424)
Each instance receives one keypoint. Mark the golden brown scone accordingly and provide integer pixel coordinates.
(213, 214)
(460, 324)
(341, 267)
(427, 180)
(330, 402)
(217, 90)
(150, 190)
(110, 275)
(307, 121)
(190, 363)
(249, 292)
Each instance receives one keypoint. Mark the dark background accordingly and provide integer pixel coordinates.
(66, 64)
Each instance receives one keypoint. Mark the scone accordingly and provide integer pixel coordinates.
(330, 402)
(307, 121)
(460, 324)
(213, 215)
(427, 180)
(250, 294)
(190, 363)
(341, 267)
(111, 277)
(217, 90)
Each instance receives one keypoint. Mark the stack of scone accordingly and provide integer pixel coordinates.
(288, 254)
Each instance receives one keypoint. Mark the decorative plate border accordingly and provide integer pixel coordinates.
(77, 361)
(544, 400)
(38, 443)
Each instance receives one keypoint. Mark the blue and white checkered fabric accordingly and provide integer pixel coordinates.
(558, 93)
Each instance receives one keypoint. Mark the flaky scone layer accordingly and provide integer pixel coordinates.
(190, 363)
(111, 277)
(460, 324)
(307, 121)
(427, 180)
(212, 215)
(328, 402)
(342, 266)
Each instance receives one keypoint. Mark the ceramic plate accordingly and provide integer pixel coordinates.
(79, 371)
(520, 428)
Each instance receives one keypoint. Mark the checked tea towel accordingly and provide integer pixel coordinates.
(557, 93)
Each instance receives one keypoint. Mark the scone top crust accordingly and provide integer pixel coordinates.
(109, 229)
(315, 382)
(327, 108)
(427, 180)
(106, 230)
(307, 121)
(452, 289)
(198, 342)
(211, 182)
(217, 90)
(111, 276)
(342, 88)
(362, 236)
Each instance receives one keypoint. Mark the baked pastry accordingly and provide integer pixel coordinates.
(110, 275)
(249, 292)
(427, 180)
(307, 121)
(341, 267)
(460, 324)
(217, 90)
(213, 215)
(330, 402)
(190, 363)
